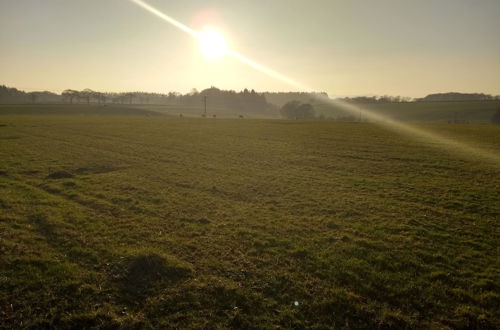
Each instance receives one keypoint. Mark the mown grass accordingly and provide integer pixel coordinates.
(142, 222)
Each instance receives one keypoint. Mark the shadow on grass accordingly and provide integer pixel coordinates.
(60, 175)
(42, 225)
(147, 273)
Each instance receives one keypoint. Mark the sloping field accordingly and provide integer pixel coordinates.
(466, 111)
(114, 221)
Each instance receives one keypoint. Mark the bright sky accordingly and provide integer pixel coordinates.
(343, 47)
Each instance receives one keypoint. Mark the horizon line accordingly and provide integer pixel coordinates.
(60, 91)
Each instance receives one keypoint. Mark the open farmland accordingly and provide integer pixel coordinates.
(157, 221)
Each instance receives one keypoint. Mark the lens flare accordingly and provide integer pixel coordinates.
(269, 72)
(213, 45)
(166, 18)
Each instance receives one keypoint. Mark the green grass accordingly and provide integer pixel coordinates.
(155, 222)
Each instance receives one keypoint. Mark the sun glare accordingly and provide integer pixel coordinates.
(213, 45)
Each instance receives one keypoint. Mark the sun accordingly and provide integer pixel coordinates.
(213, 45)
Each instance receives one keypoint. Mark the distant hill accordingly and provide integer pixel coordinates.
(443, 111)
(454, 97)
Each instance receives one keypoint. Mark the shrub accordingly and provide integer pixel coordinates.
(297, 110)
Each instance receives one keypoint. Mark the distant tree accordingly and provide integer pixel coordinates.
(87, 94)
(100, 97)
(33, 96)
(288, 110)
(496, 118)
(78, 96)
(297, 110)
(280, 98)
(128, 96)
(70, 95)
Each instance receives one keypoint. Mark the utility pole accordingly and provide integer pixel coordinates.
(205, 102)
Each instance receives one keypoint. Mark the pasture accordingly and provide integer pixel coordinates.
(142, 221)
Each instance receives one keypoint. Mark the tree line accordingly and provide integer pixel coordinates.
(245, 100)
(292, 105)
(377, 99)
(281, 98)
(10, 95)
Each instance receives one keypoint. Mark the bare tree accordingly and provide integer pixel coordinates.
(70, 94)
(33, 96)
(87, 94)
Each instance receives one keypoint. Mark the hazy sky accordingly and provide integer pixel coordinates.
(343, 47)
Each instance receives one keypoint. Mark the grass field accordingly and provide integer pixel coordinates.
(75, 110)
(129, 110)
(167, 222)
(475, 112)
(467, 111)
(440, 112)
